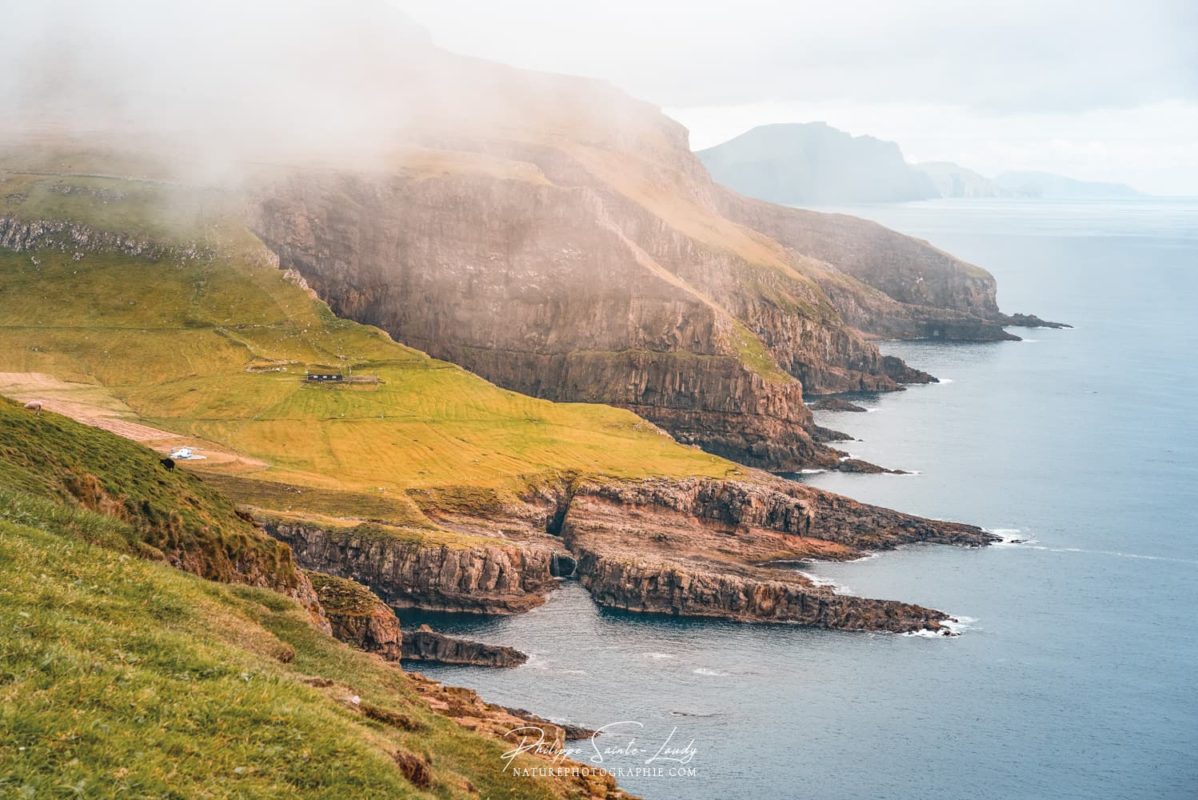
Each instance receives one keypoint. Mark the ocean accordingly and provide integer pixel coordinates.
(1077, 673)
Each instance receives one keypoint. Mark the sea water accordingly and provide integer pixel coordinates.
(1076, 674)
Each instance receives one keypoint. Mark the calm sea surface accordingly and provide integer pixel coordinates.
(1078, 675)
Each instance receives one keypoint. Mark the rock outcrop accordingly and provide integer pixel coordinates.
(687, 547)
(671, 587)
(425, 644)
(707, 548)
(504, 578)
(357, 616)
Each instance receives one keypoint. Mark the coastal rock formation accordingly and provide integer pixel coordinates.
(688, 547)
(669, 587)
(425, 644)
(836, 404)
(357, 616)
(567, 244)
(710, 548)
(503, 578)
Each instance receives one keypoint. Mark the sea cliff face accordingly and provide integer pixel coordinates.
(501, 579)
(727, 549)
(698, 547)
(602, 264)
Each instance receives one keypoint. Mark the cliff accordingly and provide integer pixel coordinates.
(814, 164)
(357, 617)
(692, 547)
(953, 180)
(578, 251)
(503, 578)
(726, 549)
(425, 644)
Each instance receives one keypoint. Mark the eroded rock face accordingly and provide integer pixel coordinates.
(692, 547)
(425, 644)
(567, 244)
(665, 587)
(505, 578)
(357, 616)
(710, 548)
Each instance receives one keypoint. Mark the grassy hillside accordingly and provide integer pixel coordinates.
(124, 678)
(213, 342)
(165, 514)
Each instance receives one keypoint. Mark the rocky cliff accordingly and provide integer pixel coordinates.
(578, 251)
(727, 549)
(425, 644)
(501, 579)
(357, 616)
(694, 547)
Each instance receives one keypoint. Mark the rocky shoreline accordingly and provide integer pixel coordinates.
(702, 548)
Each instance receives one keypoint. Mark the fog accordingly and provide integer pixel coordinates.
(1100, 90)
(219, 80)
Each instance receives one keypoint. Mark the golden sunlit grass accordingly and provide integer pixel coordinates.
(216, 347)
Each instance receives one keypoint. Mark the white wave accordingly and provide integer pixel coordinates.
(872, 410)
(536, 662)
(1010, 537)
(817, 580)
(958, 624)
(944, 380)
(1029, 341)
(1119, 554)
(812, 471)
(820, 580)
(658, 656)
(714, 673)
(926, 633)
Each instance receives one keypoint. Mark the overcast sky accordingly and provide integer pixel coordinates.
(1098, 90)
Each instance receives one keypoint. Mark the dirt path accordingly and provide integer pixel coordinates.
(93, 405)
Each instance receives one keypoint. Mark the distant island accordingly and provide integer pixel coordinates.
(816, 164)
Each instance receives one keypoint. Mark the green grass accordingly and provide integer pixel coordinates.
(123, 678)
(181, 343)
(168, 512)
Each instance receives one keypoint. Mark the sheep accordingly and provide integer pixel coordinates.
(35, 406)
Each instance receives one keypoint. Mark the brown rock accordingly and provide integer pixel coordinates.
(504, 578)
(425, 644)
(357, 616)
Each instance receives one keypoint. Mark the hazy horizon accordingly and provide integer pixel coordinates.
(1099, 91)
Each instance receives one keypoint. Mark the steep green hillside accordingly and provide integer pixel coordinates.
(206, 337)
(164, 513)
(125, 678)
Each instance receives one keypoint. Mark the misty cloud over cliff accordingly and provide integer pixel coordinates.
(219, 76)
(1105, 89)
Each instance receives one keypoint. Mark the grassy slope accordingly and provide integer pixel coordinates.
(166, 513)
(123, 678)
(173, 339)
